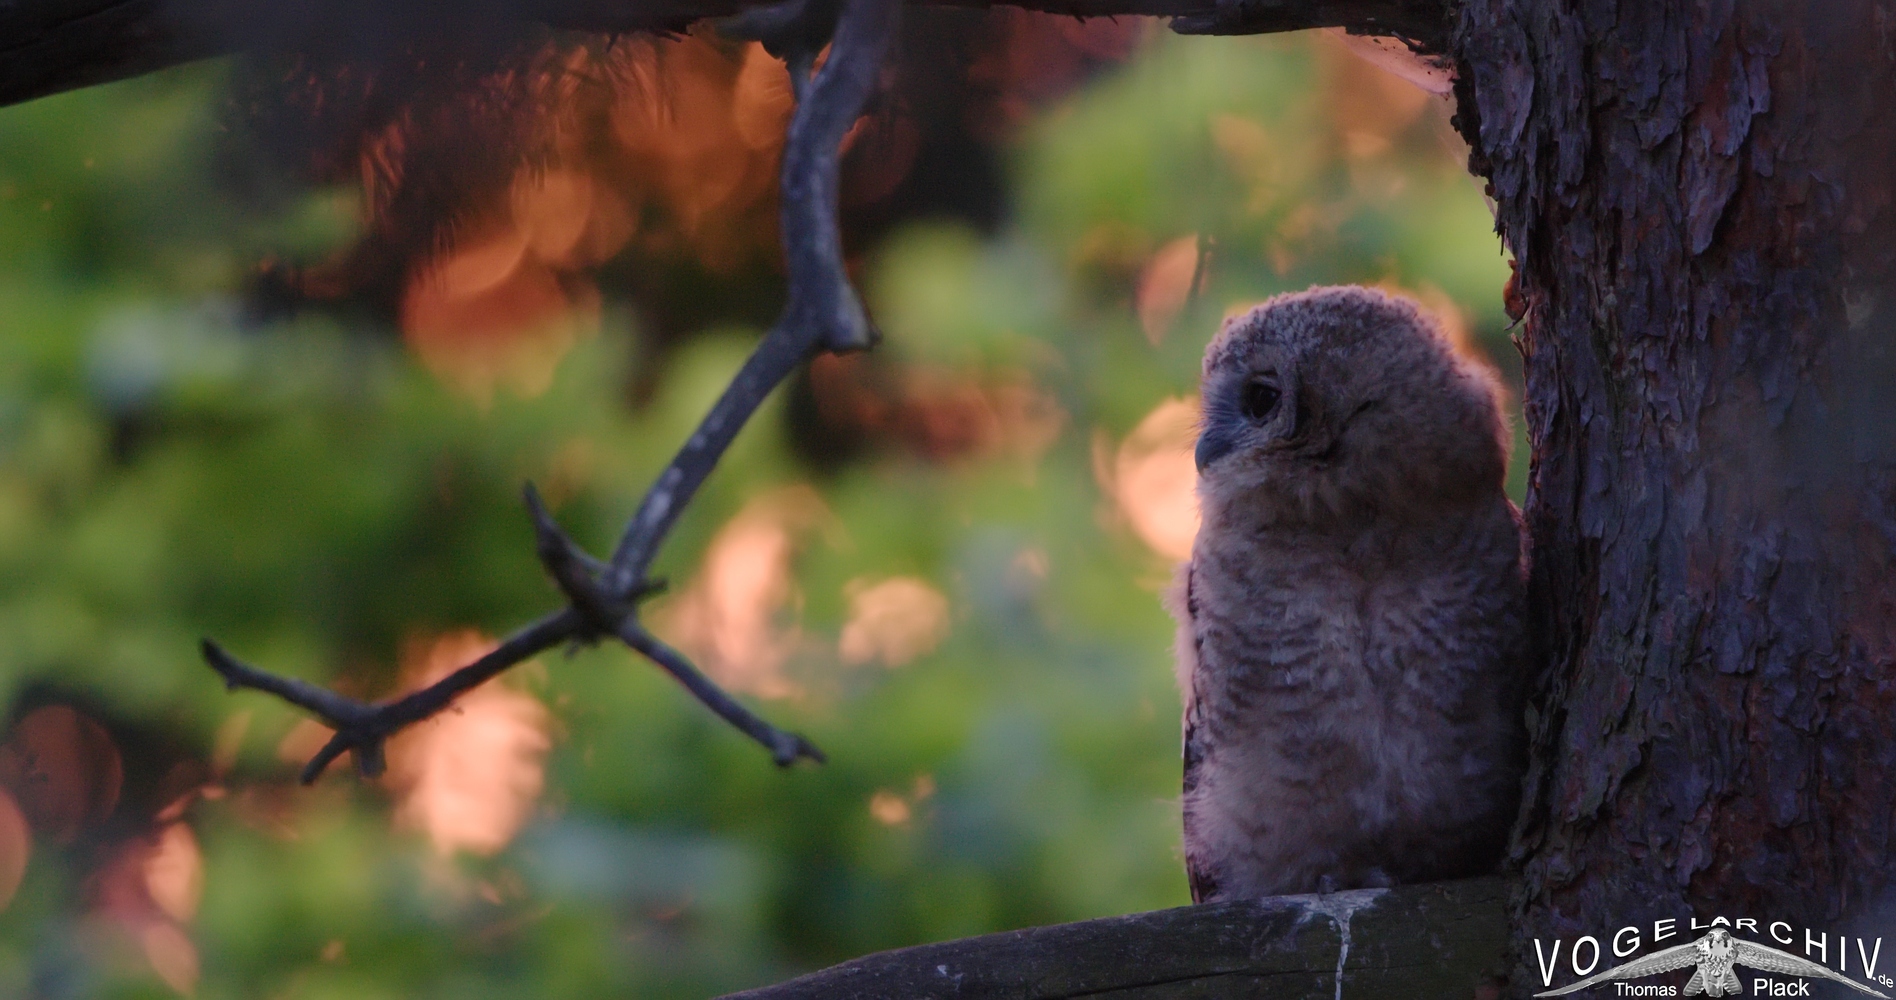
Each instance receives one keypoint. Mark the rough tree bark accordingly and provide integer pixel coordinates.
(1698, 198)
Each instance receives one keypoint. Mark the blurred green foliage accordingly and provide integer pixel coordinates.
(313, 499)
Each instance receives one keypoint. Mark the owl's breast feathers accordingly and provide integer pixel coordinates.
(1349, 719)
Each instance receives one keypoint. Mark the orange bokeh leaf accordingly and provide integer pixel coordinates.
(63, 770)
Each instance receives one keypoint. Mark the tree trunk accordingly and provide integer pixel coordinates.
(1698, 199)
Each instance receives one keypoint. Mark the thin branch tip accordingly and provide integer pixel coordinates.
(221, 662)
(371, 761)
(785, 747)
(799, 749)
(337, 745)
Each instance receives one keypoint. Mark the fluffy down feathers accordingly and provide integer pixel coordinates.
(1352, 644)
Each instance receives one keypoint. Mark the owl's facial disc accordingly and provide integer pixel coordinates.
(1245, 411)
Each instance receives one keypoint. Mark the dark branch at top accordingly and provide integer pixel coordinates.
(49, 46)
(823, 311)
(602, 598)
(1423, 24)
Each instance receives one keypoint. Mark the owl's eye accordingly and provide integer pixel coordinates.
(1259, 399)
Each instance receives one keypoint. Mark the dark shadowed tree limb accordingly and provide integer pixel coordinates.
(1437, 941)
(49, 46)
(823, 313)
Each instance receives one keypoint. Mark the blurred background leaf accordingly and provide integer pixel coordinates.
(278, 418)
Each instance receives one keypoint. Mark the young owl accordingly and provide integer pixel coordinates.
(1352, 641)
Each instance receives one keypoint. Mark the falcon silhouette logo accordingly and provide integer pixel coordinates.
(1715, 954)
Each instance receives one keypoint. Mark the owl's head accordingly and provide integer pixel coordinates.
(1340, 402)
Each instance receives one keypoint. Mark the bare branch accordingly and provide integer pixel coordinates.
(609, 615)
(574, 571)
(49, 46)
(361, 726)
(823, 311)
(785, 748)
(368, 762)
(331, 707)
(602, 599)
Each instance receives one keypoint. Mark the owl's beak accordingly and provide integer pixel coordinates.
(1213, 444)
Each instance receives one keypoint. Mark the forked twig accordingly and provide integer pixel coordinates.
(823, 313)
